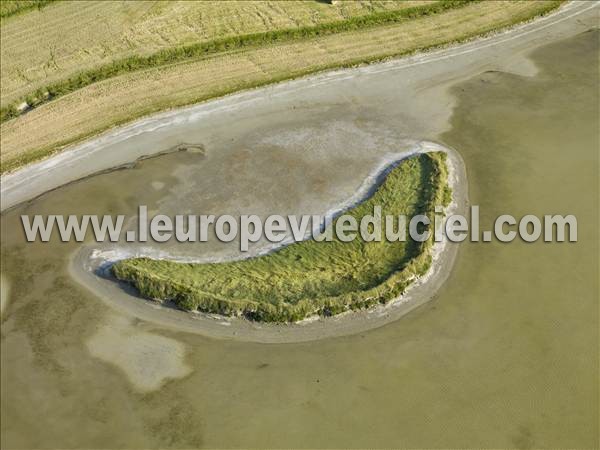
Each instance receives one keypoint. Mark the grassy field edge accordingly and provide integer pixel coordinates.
(194, 52)
(11, 9)
(41, 153)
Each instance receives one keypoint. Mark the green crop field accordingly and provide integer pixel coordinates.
(309, 277)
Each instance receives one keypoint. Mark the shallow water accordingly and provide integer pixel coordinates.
(505, 356)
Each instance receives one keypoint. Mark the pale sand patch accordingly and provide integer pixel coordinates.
(147, 359)
(4, 288)
(157, 185)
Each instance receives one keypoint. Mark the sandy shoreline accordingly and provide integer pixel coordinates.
(85, 263)
(113, 253)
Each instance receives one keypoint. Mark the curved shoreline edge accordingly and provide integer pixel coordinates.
(85, 263)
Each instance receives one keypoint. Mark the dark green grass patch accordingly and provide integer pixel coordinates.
(10, 8)
(309, 277)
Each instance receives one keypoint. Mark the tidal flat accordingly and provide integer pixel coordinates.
(506, 355)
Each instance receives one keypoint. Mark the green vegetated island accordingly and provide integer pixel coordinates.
(310, 278)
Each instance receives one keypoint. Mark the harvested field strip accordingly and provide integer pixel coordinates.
(42, 47)
(100, 106)
(204, 49)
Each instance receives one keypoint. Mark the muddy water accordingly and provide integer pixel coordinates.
(505, 356)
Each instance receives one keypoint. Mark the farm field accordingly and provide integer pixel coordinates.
(63, 38)
(99, 106)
